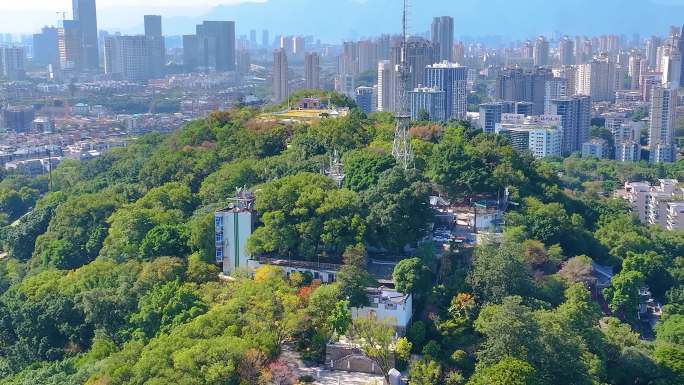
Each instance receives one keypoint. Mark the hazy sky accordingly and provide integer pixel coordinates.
(27, 16)
(332, 20)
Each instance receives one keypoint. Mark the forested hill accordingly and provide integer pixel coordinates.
(108, 279)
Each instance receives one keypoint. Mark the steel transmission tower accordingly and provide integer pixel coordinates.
(401, 149)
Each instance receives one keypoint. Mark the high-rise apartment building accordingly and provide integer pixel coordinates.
(443, 37)
(386, 78)
(652, 45)
(569, 74)
(540, 52)
(298, 46)
(312, 71)
(575, 113)
(518, 85)
(634, 71)
(662, 119)
(597, 79)
(367, 55)
(555, 88)
(281, 90)
(453, 80)
(85, 12)
(12, 63)
(128, 57)
(671, 66)
(419, 54)
(566, 48)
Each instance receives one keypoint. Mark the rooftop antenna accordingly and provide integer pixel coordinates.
(243, 200)
(336, 170)
(401, 148)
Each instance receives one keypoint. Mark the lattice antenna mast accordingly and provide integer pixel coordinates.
(401, 148)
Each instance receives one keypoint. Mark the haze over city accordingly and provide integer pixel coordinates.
(357, 18)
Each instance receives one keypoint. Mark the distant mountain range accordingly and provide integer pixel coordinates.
(334, 20)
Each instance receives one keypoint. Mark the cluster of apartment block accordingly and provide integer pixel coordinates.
(661, 204)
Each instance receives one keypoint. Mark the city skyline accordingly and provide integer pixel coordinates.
(358, 18)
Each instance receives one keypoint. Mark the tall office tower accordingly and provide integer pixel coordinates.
(190, 51)
(597, 79)
(85, 12)
(566, 48)
(70, 46)
(312, 71)
(244, 61)
(153, 26)
(575, 113)
(386, 75)
(265, 39)
(281, 89)
(453, 80)
(216, 45)
(12, 63)
(652, 45)
(443, 37)
(428, 104)
(156, 47)
(671, 66)
(419, 54)
(128, 57)
(490, 114)
(540, 52)
(518, 85)
(46, 47)
(662, 117)
(364, 99)
(556, 88)
(634, 72)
